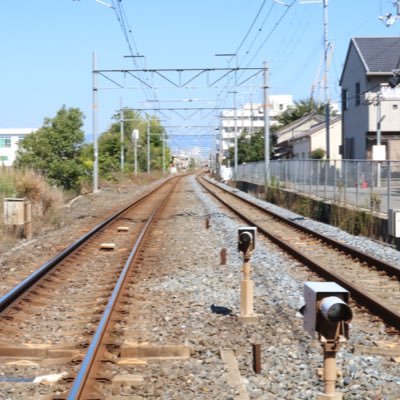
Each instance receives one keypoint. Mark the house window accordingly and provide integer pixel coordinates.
(344, 99)
(3, 158)
(5, 142)
(357, 94)
(395, 106)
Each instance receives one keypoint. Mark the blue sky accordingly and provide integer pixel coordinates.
(47, 48)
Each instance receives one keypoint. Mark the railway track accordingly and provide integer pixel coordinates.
(64, 312)
(372, 282)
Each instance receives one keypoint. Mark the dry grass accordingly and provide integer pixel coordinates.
(46, 200)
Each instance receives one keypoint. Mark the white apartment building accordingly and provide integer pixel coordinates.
(250, 118)
(9, 139)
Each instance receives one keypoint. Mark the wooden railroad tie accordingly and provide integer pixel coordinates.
(107, 246)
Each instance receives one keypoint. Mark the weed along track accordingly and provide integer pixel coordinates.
(372, 282)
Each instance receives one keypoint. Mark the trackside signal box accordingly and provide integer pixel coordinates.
(315, 311)
(394, 222)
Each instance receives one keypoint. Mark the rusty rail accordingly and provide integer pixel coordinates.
(82, 383)
(389, 315)
(15, 293)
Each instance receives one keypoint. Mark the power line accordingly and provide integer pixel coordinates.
(251, 27)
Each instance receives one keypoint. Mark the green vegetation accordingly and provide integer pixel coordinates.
(250, 147)
(298, 110)
(58, 152)
(318, 154)
(110, 145)
(54, 149)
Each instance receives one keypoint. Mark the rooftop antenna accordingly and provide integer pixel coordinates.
(389, 19)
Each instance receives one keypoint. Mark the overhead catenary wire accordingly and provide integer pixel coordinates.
(131, 43)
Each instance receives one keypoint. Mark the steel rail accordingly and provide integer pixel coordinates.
(79, 387)
(15, 293)
(389, 315)
(364, 257)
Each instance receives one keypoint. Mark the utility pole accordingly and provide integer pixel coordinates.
(95, 147)
(236, 138)
(163, 152)
(326, 81)
(122, 134)
(148, 145)
(266, 122)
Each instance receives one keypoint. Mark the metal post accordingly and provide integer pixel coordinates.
(95, 147)
(163, 153)
(235, 138)
(389, 184)
(326, 177)
(334, 180)
(252, 115)
(122, 134)
(326, 83)
(357, 182)
(135, 150)
(135, 137)
(378, 135)
(148, 146)
(266, 123)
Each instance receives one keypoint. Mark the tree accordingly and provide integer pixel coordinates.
(318, 154)
(54, 149)
(250, 147)
(299, 109)
(110, 144)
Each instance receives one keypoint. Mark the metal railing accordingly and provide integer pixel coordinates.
(372, 185)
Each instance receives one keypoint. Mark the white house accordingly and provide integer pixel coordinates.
(9, 139)
(304, 143)
(286, 134)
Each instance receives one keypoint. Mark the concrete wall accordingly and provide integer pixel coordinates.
(347, 218)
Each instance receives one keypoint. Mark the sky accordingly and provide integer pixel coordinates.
(47, 51)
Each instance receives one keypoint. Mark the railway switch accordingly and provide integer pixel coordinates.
(327, 313)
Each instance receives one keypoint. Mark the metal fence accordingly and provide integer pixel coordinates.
(372, 185)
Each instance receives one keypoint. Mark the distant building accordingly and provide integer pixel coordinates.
(180, 163)
(250, 118)
(304, 143)
(286, 135)
(369, 64)
(9, 139)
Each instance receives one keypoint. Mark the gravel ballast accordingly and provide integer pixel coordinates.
(190, 279)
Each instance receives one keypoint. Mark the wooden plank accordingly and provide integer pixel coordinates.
(359, 350)
(234, 377)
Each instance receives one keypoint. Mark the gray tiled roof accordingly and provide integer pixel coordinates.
(379, 54)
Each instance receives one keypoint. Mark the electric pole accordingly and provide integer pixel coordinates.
(326, 81)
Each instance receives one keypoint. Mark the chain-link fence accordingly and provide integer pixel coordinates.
(373, 185)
